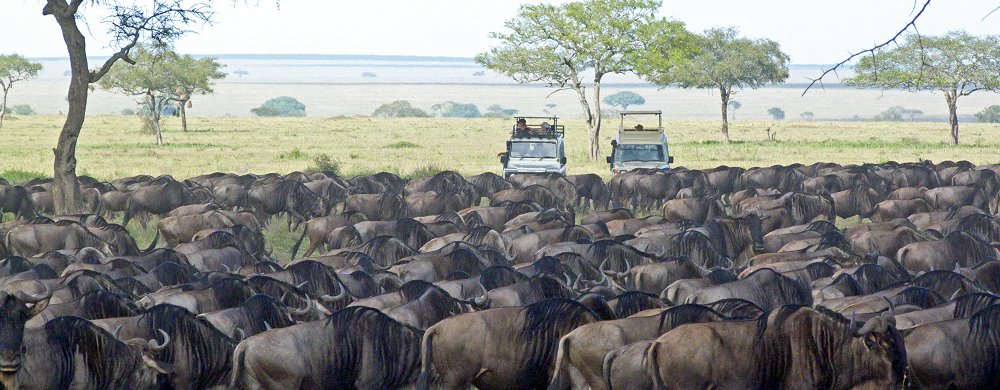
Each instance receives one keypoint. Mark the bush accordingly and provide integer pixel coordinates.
(989, 114)
(367, 74)
(777, 113)
(897, 113)
(402, 145)
(807, 115)
(22, 109)
(451, 109)
(281, 106)
(399, 109)
(323, 163)
(497, 111)
(128, 112)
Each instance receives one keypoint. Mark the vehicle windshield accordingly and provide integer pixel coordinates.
(533, 150)
(638, 152)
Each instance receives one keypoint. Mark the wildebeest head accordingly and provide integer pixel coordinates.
(14, 313)
(880, 337)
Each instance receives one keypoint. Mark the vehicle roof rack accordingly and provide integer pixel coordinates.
(535, 129)
(659, 118)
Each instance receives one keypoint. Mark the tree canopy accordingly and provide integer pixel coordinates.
(193, 76)
(399, 109)
(14, 68)
(989, 114)
(151, 79)
(281, 106)
(957, 64)
(451, 109)
(560, 45)
(624, 99)
(726, 62)
(776, 112)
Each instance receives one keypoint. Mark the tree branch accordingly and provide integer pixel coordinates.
(872, 50)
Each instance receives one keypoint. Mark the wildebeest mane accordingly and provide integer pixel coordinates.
(968, 246)
(983, 226)
(103, 304)
(362, 335)
(719, 275)
(632, 302)
(499, 276)
(945, 283)
(544, 323)
(75, 280)
(873, 277)
(263, 312)
(318, 278)
(736, 308)
(209, 351)
(969, 304)
(385, 250)
(686, 314)
(102, 355)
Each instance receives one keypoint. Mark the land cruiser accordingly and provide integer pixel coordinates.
(640, 146)
(535, 146)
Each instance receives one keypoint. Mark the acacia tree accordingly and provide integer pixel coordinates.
(192, 76)
(957, 64)
(558, 44)
(727, 63)
(152, 79)
(160, 21)
(624, 99)
(14, 68)
(735, 105)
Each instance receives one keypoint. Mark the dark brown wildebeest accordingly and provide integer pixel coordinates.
(785, 179)
(158, 197)
(535, 193)
(698, 210)
(885, 242)
(419, 204)
(680, 290)
(32, 239)
(516, 346)
(180, 230)
(765, 288)
(318, 228)
(591, 191)
(331, 191)
(859, 201)
(487, 184)
(202, 357)
(958, 248)
(960, 307)
(377, 207)
(946, 198)
(725, 179)
(792, 347)
(287, 196)
(524, 248)
(113, 202)
(73, 353)
(257, 314)
(653, 278)
(888, 210)
(357, 347)
(956, 354)
(525, 292)
(924, 220)
(581, 353)
(15, 199)
(905, 193)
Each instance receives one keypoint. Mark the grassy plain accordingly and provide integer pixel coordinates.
(112, 147)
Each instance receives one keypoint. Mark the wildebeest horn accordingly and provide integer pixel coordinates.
(302, 312)
(243, 334)
(333, 299)
(226, 266)
(157, 348)
(117, 331)
(34, 298)
(892, 306)
(299, 286)
(853, 315)
(481, 301)
(267, 326)
(576, 283)
(955, 295)
(569, 282)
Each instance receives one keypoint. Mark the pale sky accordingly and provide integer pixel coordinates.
(809, 31)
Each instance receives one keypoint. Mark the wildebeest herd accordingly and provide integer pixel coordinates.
(725, 278)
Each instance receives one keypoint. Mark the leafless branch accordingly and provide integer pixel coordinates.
(872, 50)
(991, 13)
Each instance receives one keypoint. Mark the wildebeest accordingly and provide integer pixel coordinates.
(958, 353)
(792, 347)
(516, 346)
(357, 347)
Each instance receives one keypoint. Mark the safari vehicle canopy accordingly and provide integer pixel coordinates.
(535, 147)
(643, 145)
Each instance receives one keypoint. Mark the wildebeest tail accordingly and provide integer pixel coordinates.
(152, 245)
(560, 377)
(295, 248)
(651, 368)
(129, 211)
(426, 361)
(239, 364)
(609, 359)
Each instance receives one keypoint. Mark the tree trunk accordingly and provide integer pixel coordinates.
(184, 118)
(154, 117)
(725, 94)
(952, 99)
(65, 189)
(3, 107)
(588, 115)
(595, 126)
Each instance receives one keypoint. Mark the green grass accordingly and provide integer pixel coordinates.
(112, 146)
